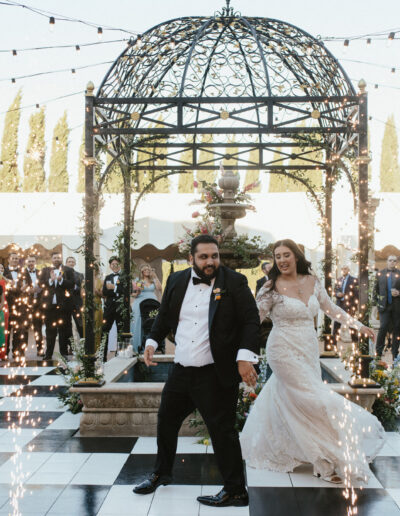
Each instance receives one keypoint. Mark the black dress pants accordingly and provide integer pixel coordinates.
(111, 315)
(188, 388)
(17, 334)
(389, 318)
(56, 322)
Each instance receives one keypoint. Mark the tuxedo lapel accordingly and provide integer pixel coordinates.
(178, 293)
(219, 283)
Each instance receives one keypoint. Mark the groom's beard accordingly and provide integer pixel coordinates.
(202, 274)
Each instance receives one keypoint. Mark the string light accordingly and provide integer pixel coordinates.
(50, 47)
(14, 52)
(52, 22)
(369, 42)
(390, 38)
(99, 32)
(77, 48)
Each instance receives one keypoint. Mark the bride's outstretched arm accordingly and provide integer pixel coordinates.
(333, 311)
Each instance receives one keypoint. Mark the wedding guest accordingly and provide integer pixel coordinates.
(57, 283)
(13, 295)
(265, 267)
(146, 286)
(3, 316)
(77, 302)
(346, 293)
(34, 315)
(386, 297)
(114, 296)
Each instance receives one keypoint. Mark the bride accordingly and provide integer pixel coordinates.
(296, 418)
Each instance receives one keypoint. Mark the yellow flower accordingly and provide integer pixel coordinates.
(206, 442)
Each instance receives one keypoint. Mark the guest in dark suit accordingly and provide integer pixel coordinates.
(57, 284)
(265, 267)
(113, 293)
(34, 314)
(16, 334)
(346, 293)
(77, 301)
(387, 299)
(213, 315)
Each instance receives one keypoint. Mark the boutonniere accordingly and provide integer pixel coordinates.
(218, 293)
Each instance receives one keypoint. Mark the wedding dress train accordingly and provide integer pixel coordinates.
(296, 418)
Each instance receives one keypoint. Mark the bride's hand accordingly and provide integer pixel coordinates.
(368, 332)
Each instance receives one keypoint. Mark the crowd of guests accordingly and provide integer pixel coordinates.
(52, 297)
(49, 302)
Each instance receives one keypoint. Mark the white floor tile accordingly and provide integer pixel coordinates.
(389, 449)
(11, 440)
(29, 371)
(100, 469)
(59, 469)
(145, 445)
(66, 421)
(26, 463)
(177, 491)
(190, 445)
(32, 403)
(225, 511)
(265, 478)
(175, 506)
(395, 494)
(51, 379)
(122, 501)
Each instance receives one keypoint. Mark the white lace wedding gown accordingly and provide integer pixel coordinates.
(296, 418)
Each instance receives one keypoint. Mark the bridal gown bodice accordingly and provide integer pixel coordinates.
(296, 418)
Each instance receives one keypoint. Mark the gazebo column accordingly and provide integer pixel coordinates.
(126, 258)
(363, 215)
(328, 338)
(90, 206)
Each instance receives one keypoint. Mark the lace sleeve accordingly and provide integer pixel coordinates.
(265, 300)
(332, 310)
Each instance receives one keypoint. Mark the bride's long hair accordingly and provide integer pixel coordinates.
(303, 265)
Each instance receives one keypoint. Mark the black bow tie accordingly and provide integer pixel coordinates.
(197, 281)
(115, 274)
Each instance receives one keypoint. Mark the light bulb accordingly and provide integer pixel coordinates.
(99, 32)
(52, 22)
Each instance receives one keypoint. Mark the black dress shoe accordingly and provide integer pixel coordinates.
(150, 484)
(224, 499)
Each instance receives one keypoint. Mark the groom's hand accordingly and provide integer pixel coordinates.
(247, 372)
(148, 356)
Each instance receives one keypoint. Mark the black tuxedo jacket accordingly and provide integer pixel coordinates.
(111, 297)
(25, 284)
(233, 319)
(76, 292)
(349, 302)
(260, 283)
(13, 294)
(62, 292)
(380, 290)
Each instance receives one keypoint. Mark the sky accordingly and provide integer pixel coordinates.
(20, 28)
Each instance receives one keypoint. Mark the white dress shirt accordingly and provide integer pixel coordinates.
(192, 337)
(57, 273)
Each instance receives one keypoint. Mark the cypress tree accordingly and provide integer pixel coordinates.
(205, 156)
(185, 183)
(253, 175)
(80, 187)
(114, 182)
(9, 174)
(278, 182)
(389, 170)
(34, 174)
(163, 185)
(58, 178)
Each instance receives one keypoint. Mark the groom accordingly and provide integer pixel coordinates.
(213, 315)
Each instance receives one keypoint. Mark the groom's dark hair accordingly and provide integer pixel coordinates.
(202, 239)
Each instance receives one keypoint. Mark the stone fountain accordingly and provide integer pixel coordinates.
(229, 210)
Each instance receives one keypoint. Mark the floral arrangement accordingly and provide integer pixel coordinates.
(74, 371)
(211, 194)
(387, 407)
(247, 396)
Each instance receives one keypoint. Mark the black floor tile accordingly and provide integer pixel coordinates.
(27, 419)
(4, 456)
(189, 469)
(17, 380)
(387, 471)
(28, 363)
(98, 445)
(45, 391)
(328, 501)
(80, 500)
(49, 440)
(53, 371)
(273, 501)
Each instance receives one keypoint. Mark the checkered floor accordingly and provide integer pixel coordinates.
(65, 474)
